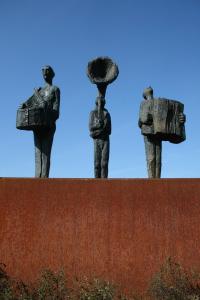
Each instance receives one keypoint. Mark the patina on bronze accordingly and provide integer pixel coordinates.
(101, 71)
(160, 120)
(33, 113)
(39, 114)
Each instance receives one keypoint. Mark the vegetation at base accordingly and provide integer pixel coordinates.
(172, 282)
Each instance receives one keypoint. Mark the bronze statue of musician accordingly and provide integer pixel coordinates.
(100, 129)
(160, 120)
(101, 71)
(42, 110)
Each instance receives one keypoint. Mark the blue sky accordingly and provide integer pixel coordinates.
(153, 42)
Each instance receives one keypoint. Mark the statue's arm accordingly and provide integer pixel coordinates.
(31, 102)
(25, 104)
(107, 124)
(22, 105)
(140, 123)
(92, 126)
(140, 116)
(145, 115)
(56, 104)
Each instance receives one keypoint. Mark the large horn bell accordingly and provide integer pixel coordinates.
(102, 71)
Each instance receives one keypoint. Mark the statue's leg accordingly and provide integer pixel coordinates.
(105, 158)
(46, 150)
(97, 158)
(150, 156)
(158, 158)
(38, 153)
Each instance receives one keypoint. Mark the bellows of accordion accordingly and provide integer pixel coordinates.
(161, 119)
(33, 116)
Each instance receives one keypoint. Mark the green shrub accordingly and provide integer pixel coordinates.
(52, 286)
(6, 285)
(95, 289)
(173, 282)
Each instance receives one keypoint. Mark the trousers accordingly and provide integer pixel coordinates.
(153, 150)
(101, 157)
(43, 139)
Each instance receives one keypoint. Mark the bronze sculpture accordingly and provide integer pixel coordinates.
(39, 114)
(101, 71)
(160, 120)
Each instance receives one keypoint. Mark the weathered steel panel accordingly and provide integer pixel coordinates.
(118, 229)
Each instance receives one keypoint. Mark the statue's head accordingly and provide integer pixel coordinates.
(148, 93)
(100, 102)
(48, 72)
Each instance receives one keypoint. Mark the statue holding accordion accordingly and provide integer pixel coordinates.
(160, 120)
(39, 114)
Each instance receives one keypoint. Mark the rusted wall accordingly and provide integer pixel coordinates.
(120, 230)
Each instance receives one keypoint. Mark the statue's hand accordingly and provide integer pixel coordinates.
(99, 124)
(22, 105)
(149, 120)
(38, 89)
(95, 134)
(182, 118)
(43, 104)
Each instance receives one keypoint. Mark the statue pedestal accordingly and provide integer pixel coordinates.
(117, 229)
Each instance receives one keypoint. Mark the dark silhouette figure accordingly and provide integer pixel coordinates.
(101, 71)
(160, 120)
(47, 99)
(100, 129)
(153, 144)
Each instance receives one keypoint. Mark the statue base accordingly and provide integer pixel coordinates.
(117, 229)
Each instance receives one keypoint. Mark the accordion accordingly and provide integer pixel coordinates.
(33, 116)
(161, 119)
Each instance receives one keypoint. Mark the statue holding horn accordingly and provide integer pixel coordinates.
(101, 71)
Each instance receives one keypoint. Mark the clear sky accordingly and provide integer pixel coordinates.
(153, 42)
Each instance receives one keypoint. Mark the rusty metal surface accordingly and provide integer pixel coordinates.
(118, 229)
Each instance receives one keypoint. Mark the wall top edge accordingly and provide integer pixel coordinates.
(20, 179)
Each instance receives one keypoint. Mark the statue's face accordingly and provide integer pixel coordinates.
(46, 74)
